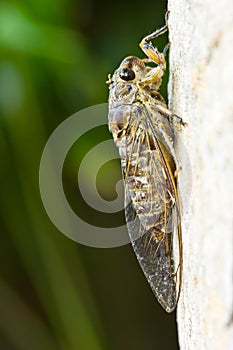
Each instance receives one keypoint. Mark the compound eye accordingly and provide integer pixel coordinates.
(127, 74)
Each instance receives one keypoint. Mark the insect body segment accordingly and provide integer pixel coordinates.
(143, 130)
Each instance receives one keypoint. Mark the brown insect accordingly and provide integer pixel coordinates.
(143, 130)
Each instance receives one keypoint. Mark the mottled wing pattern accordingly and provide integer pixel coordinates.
(152, 212)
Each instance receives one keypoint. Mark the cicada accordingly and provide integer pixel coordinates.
(143, 129)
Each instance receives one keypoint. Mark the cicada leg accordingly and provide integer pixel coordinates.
(174, 118)
(154, 55)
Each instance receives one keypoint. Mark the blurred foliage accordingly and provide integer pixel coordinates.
(55, 293)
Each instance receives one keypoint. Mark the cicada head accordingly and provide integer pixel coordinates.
(123, 83)
(132, 80)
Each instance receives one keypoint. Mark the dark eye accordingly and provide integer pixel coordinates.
(127, 74)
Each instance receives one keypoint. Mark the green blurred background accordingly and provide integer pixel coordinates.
(56, 293)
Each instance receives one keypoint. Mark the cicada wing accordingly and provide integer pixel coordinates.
(155, 257)
(152, 216)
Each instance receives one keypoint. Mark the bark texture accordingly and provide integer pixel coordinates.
(200, 90)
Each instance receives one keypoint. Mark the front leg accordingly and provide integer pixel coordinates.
(152, 52)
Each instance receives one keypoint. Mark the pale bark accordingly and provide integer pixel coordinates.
(200, 90)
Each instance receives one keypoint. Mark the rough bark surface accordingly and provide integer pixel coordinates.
(200, 89)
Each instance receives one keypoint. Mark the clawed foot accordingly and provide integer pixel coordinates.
(178, 120)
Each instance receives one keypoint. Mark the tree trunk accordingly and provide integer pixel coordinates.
(200, 91)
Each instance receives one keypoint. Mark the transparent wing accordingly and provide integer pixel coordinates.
(152, 210)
